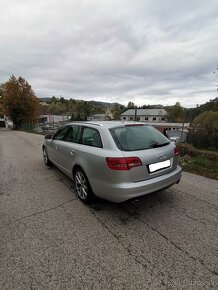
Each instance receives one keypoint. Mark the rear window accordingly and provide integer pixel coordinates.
(133, 138)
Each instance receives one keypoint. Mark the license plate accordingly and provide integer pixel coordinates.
(159, 165)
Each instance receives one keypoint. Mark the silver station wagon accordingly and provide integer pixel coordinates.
(113, 160)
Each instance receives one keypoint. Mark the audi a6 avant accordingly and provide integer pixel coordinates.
(113, 160)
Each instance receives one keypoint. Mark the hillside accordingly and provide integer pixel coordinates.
(75, 108)
(212, 105)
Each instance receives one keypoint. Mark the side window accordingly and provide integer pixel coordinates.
(59, 135)
(73, 134)
(91, 137)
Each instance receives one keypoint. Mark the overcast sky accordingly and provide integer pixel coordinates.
(145, 51)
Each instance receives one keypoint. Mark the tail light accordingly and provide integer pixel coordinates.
(176, 151)
(123, 163)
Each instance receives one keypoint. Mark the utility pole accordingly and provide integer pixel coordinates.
(216, 74)
(135, 112)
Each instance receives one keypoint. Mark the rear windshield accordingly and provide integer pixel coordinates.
(132, 138)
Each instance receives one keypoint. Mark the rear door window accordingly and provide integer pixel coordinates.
(91, 137)
(138, 137)
(73, 134)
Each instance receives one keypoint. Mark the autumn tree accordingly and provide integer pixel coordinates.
(1, 107)
(19, 100)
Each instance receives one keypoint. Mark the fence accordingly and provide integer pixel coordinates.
(42, 127)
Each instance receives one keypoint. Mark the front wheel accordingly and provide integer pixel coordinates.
(45, 157)
(83, 188)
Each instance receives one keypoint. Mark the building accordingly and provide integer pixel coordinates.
(5, 122)
(175, 130)
(145, 115)
(2, 123)
(53, 118)
(102, 117)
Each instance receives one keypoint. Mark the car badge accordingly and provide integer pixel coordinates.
(161, 157)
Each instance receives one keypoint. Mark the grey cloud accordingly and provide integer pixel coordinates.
(145, 51)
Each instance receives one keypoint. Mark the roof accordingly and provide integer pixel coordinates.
(145, 112)
(100, 115)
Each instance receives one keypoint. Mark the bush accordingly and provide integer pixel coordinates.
(200, 162)
(186, 149)
(203, 139)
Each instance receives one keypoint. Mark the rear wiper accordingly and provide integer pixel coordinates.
(156, 145)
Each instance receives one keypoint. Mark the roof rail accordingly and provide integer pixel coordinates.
(92, 123)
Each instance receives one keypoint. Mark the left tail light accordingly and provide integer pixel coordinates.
(176, 151)
(123, 163)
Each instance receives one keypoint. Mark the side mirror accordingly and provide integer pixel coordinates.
(48, 136)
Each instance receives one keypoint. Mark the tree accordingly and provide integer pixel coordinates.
(208, 121)
(19, 101)
(1, 107)
(176, 113)
(116, 111)
(205, 133)
(131, 105)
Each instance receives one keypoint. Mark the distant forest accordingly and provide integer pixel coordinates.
(81, 110)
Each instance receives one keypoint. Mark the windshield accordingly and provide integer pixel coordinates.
(140, 137)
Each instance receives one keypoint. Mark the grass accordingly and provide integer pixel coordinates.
(201, 162)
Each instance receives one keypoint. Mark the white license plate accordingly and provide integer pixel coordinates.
(159, 165)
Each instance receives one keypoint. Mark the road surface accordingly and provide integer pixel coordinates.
(50, 240)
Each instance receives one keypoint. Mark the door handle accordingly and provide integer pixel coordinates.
(56, 147)
(72, 152)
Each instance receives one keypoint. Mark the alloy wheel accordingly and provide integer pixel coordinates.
(81, 185)
(45, 156)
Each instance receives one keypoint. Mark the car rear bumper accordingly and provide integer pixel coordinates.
(124, 191)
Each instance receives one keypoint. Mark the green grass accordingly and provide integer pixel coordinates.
(200, 162)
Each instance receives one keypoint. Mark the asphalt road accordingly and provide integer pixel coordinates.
(50, 240)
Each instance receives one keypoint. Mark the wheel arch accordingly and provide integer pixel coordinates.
(75, 167)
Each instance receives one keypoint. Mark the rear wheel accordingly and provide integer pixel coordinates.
(45, 157)
(83, 188)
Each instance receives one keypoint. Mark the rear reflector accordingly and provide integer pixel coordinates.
(122, 163)
(176, 151)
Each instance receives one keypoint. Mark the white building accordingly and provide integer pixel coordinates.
(53, 118)
(5, 122)
(145, 115)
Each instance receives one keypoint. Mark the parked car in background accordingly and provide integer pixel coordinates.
(176, 140)
(113, 160)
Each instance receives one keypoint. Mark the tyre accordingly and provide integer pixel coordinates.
(83, 188)
(45, 157)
